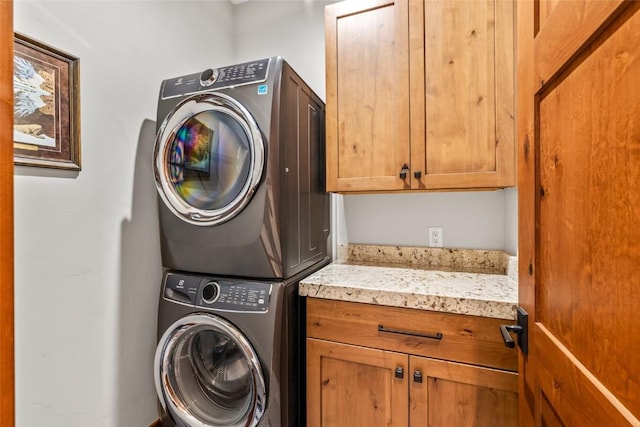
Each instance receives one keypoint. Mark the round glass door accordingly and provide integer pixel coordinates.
(207, 374)
(208, 159)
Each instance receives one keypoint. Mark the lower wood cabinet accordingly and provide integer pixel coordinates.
(355, 385)
(455, 394)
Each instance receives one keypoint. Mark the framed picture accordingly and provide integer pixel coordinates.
(46, 128)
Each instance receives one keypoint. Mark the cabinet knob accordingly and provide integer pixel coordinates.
(417, 376)
(404, 171)
(399, 373)
(417, 174)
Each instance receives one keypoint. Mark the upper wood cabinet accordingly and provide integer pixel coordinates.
(425, 88)
(367, 63)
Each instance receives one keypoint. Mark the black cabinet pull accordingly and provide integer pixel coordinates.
(417, 174)
(403, 171)
(417, 376)
(436, 336)
(399, 373)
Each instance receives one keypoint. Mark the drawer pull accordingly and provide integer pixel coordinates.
(436, 336)
(417, 376)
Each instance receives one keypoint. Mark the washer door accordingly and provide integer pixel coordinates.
(208, 159)
(207, 374)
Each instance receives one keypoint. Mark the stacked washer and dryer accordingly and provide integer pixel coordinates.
(239, 167)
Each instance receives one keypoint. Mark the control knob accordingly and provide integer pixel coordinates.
(210, 292)
(209, 77)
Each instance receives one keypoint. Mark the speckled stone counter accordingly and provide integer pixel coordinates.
(399, 285)
(468, 260)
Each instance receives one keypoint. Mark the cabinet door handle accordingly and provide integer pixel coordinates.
(417, 174)
(417, 376)
(404, 171)
(399, 372)
(504, 330)
(436, 336)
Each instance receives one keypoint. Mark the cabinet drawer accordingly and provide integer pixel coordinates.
(460, 338)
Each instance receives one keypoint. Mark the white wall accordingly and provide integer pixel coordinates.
(293, 29)
(474, 220)
(87, 255)
(87, 252)
(511, 221)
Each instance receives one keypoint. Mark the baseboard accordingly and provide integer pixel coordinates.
(156, 423)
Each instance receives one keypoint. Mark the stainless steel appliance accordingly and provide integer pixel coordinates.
(239, 167)
(228, 352)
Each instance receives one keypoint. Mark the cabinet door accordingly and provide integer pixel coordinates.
(455, 394)
(462, 93)
(367, 66)
(351, 386)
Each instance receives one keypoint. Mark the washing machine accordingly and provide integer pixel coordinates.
(239, 167)
(228, 352)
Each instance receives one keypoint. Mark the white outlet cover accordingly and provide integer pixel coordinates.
(436, 237)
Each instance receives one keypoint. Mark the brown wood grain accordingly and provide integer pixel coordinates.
(416, 93)
(355, 386)
(454, 394)
(466, 59)
(7, 378)
(460, 88)
(526, 202)
(367, 95)
(545, 7)
(571, 392)
(585, 203)
(589, 234)
(468, 339)
(442, 74)
(574, 23)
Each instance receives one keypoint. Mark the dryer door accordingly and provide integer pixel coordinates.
(207, 374)
(208, 159)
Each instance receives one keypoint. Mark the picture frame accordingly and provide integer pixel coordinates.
(46, 129)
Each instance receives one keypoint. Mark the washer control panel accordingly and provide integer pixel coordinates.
(216, 78)
(237, 296)
(219, 294)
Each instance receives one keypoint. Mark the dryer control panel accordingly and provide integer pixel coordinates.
(219, 294)
(217, 78)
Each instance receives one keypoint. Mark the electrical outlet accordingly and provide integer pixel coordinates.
(436, 237)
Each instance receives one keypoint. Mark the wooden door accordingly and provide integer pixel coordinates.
(462, 93)
(352, 386)
(367, 70)
(579, 132)
(6, 216)
(454, 394)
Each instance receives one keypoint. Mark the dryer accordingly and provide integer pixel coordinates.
(227, 353)
(239, 167)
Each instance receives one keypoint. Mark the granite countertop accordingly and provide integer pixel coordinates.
(478, 291)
